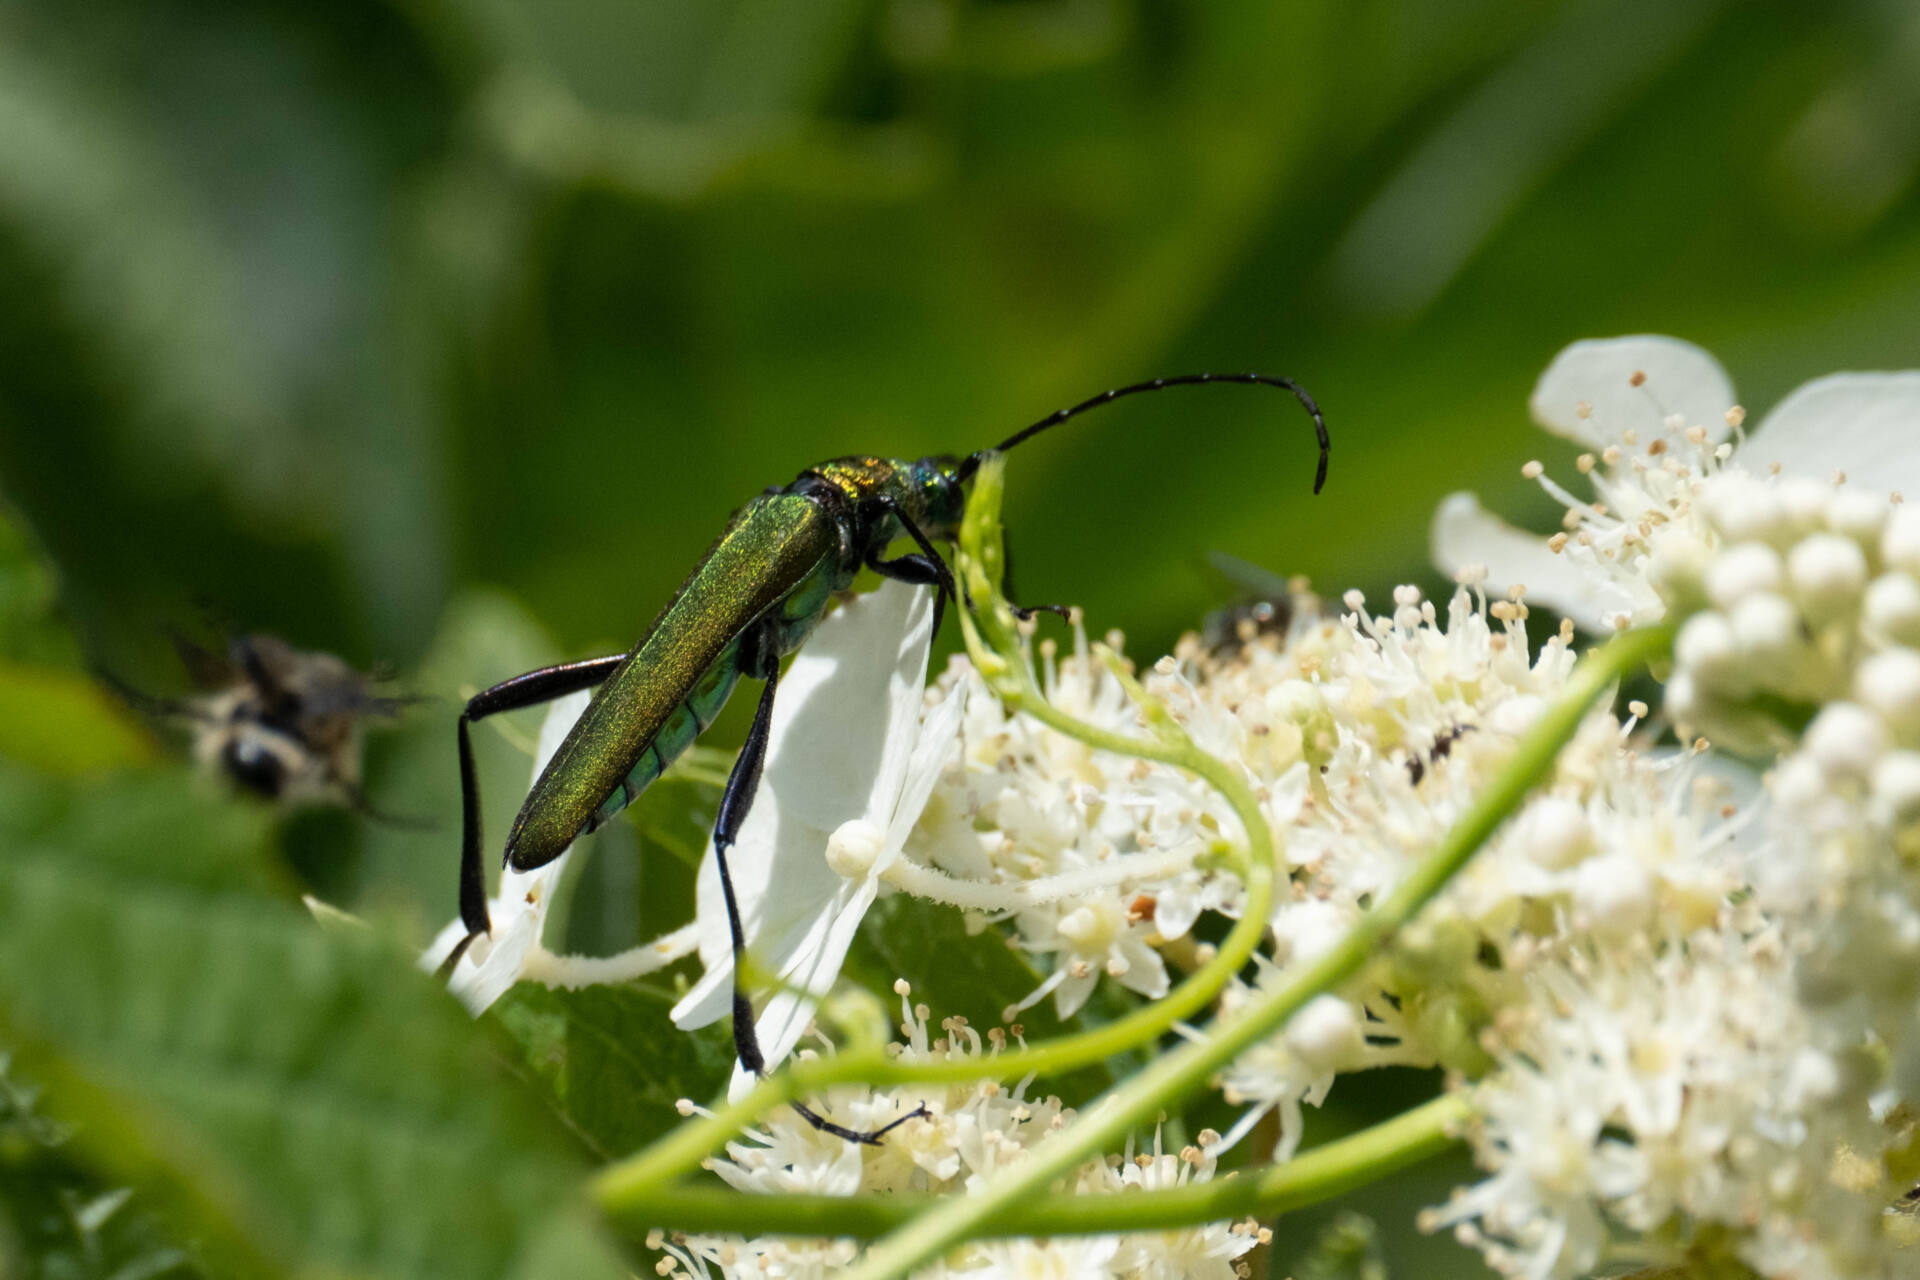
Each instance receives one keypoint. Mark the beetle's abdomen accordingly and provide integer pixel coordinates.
(676, 734)
(645, 714)
(806, 604)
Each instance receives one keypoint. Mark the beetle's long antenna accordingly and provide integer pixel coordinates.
(971, 463)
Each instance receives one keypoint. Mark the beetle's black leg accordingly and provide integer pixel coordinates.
(1025, 613)
(742, 784)
(527, 690)
(928, 568)
(921, 571)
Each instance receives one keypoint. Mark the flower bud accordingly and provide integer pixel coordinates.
(1555, 832)
(1804, 502)
(1678, 567)
(1900, 544)
(1859, 515)
(854, 846)
(1744, 508)
(1846, 740)
(1767, 634)
(1326, 1034)
(1891, 611)
(1896, 784)
(1613, 895)
(1706, 648)
(1889, 683)
(1828, 572)
(1798, 783)
(1740, 570)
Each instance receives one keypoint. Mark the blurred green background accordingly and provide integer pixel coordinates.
(322, 313)
(444, 334)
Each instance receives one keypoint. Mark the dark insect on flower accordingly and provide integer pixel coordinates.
(1441, 749)
(1265, 607)
(283, 723)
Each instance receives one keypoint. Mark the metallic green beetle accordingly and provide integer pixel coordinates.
(754, 598)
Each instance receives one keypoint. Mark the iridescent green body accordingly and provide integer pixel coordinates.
(754, 597)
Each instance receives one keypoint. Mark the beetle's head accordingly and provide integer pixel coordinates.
(941, 487)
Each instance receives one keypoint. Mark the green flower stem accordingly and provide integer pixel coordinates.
(1318, 1175)
(1104, 1125)
(637, 1179)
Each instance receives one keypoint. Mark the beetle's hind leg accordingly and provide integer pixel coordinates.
(531, 689)
(760, 657)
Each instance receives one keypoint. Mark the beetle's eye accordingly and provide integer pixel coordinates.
(251, 764)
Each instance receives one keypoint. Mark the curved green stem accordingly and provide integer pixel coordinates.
(1104, 1125)
(1318, 1175)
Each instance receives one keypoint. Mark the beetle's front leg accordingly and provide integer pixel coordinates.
(1024, 612)
(926, 569)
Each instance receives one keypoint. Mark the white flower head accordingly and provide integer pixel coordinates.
(493, 963)
(848, 770)
(1669, 486)
(960, 1136)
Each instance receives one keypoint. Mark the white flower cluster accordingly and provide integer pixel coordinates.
(966, 1134)
(1365, 738)
(1719, 1087)
(1656, 1084)
(1689, 1006)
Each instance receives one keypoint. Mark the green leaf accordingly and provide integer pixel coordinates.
(1347, 1249)
(307, 1099)
(31, 629)
(57, 1219)
(614, 1062)
(63, 722)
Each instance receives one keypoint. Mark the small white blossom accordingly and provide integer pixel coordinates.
(1656, 411)
(493, 962)
(1665, 1093)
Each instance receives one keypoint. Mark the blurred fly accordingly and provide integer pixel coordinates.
(285, 724)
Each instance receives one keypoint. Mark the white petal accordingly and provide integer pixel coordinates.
(813, 973)
(845, 712)
(1599, 373)
(931, 751)
(479, 985)
(1465, 535)
(519, 913)
(1865, 424)
(842, 736)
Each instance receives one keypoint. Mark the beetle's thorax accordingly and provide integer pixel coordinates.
(872, 489)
